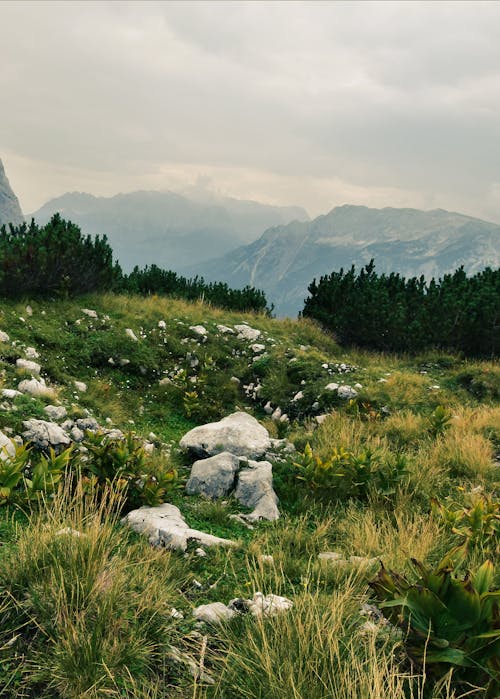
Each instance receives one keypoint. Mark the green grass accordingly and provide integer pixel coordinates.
(90, 616)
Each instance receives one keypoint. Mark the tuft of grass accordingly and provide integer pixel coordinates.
(86, 608)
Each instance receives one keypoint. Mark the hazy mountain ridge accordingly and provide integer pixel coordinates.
(286, 258)
(10, 210)
(169, 229)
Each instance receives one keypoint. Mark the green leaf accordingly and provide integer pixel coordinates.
(483, 578)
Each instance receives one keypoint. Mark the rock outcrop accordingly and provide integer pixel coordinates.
(10, 211)
(239, 433)
(165, 526)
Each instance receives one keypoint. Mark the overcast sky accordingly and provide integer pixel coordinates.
(315, 104)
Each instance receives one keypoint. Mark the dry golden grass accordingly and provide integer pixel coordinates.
(394, 537)
(462, 454)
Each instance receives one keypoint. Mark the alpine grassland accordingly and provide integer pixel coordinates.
(388, 490)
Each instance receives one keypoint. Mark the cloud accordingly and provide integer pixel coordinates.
(285, 102)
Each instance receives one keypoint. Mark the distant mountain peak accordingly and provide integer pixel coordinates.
(10, 210)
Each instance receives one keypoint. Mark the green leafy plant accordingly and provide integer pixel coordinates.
(347, 474)
(439, 421)
(124, 463)
(11, 474)
(449, 624)
(46, 473)
(478, 524)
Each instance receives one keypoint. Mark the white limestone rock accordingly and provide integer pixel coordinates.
(89, 312)
(213, 613)
(165, 526)
(255, 490)
(239, 433)
(346, 392)
(36, 387)
(28, 365)
(10, 393)
(4, 337)
(80, 386)
(56, 412)
(131, 334)
(45, 434)
(245, 332)
(199, 330)
(31, 353)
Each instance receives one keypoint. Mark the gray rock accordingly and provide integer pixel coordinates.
(199, 330)
(4, 337)
(213, 477)
(225, 330)
(131, 334)
(245, 332)
(214, 613)
(165, 526)
(268, 605)
(31, 353)
(35, 387)
(80, 386)
(255, 489)
(346, 392)
(239, 433)
(89, 312)
(332, 387)
(56, 412)
(27, 365)
(77, 435)
(87, 423)
(7, 447)
(10, 393)
(10, 211)
(45, 434)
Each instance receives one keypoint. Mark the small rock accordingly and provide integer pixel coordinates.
(77, 435)
(28, 365)
(10, 393)
(257, 348)
(268, 408)
(245, 332)
(80, 386)
(36, 387)
(56, 412)
(332, 387)
(347, 392)
(200, 552)
(225, 330)
(131, 334)
(162, 325)
(330, 556)
(268, 605)
(264, 558)
(199, 330)
(239, 433)
(89, 312)
(31, 353)
(213, 613)
(68, 531)
(45, 434)
(4, 337)
(298, 396)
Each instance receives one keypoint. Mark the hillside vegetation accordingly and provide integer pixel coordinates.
(396, 458)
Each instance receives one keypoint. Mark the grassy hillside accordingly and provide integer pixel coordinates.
(401, 470)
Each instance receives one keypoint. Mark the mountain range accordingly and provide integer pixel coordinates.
(168, 229)
(285, 259)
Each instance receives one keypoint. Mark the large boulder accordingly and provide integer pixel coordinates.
(165, 526)
(45, 434)
(213, 477)
(239, 433)
(255, 489)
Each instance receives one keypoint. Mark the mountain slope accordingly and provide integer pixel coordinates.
(165, 228)
(10, 211)
(286, 258)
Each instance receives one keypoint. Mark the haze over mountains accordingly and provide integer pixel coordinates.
(285, 259)
(168, 229)
(273, 248)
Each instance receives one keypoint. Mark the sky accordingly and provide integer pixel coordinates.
(314, 104)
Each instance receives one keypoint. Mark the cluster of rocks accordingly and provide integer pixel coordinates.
(259, 606)
(230, 450)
